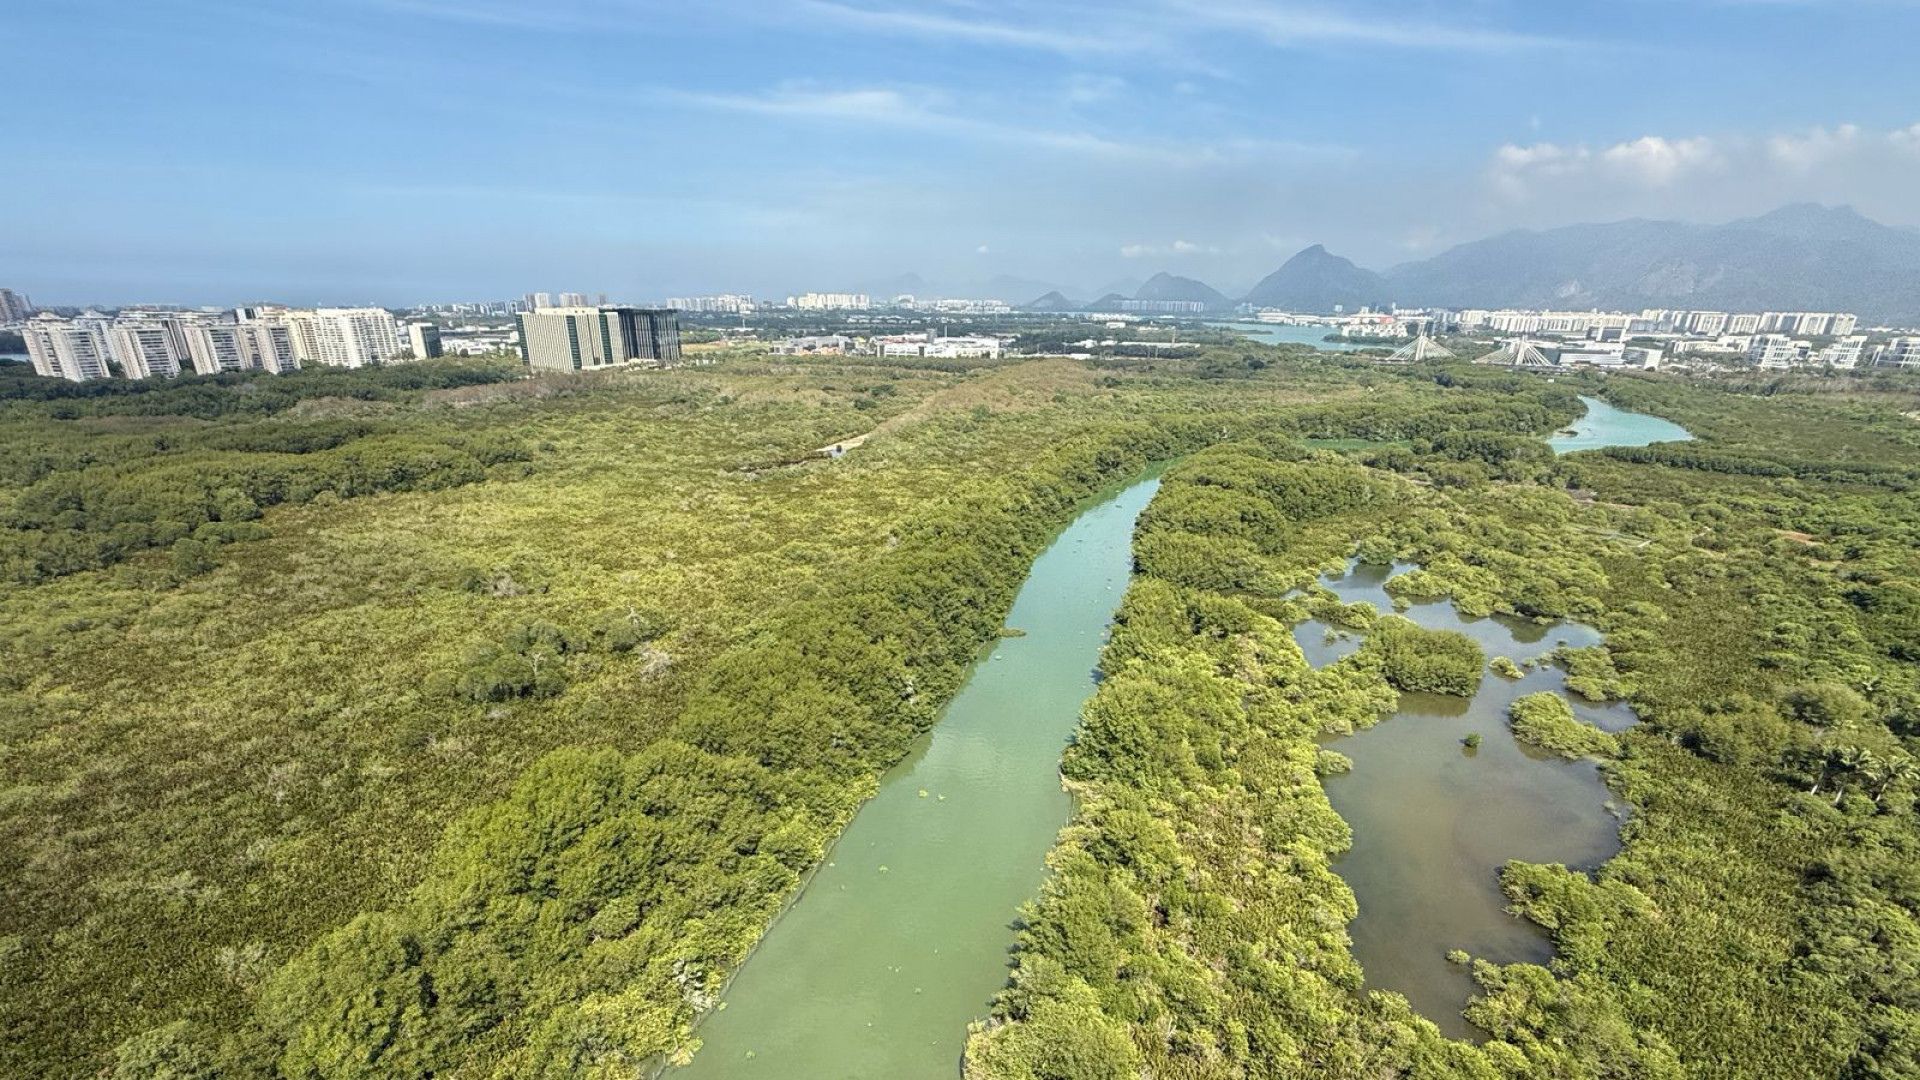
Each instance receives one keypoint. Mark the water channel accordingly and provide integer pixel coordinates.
(1433, 821)
(902, 937)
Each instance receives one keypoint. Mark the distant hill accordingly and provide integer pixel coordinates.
(1318, 281)
(1007, 287)
(898, 285)
(1801, 257)
(1053, 301)
(1003, 287)
(1168, 287)
(1113, 301)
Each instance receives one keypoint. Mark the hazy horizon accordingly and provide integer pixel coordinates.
(403, 151)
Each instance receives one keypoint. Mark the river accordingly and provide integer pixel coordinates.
(901, 939)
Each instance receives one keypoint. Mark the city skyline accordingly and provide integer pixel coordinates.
(355, 152)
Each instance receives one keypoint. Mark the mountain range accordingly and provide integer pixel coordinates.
(1799, 258)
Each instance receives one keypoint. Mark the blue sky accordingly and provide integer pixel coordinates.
(214, 151)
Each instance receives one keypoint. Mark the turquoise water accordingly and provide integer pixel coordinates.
(1605, 426)
(902, 938)
(1273, 334)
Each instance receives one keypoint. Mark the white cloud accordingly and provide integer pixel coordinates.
(1177, 247)
(1712, 176)
(1808, 150)
(1657, 162)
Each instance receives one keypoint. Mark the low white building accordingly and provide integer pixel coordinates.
(1900, 352)
(926, 344)
(1846, 353)
(1775, 351)
(819, 345)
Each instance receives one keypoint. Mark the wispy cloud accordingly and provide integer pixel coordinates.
(919, 109)
(1170, 27)
(1294, 26)
(1178, 247)
(1090, 36)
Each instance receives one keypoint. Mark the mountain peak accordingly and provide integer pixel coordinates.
(1317, 280)
(1164, 286)
(1800, 257)
(1053, 301)
(1812, 220)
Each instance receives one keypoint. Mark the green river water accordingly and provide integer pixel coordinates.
(902, 937)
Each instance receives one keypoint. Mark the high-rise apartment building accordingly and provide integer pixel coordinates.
(343, 337)
(590, 338)
(268, 346)
(1706, 323)
(62, 349)
(251, 346)
(14, 307)
(423, 340)
(216, 348)
(146, 348)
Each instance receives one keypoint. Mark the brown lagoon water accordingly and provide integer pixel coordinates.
(1433, 822)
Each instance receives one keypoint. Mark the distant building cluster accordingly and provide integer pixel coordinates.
(147, 343)
(582, 338)
(1658, 321)
(815, 301)
(1163, 307)
(723, 304)
(537, 301)
(925, 344)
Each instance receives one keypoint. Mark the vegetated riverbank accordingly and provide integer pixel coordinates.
(187, 811)
(1758, 921)
(899, 940)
